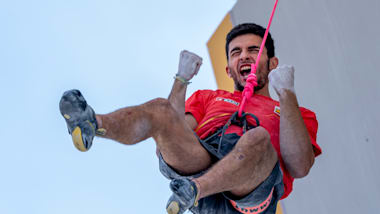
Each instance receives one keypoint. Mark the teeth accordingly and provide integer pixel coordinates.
(246, 67)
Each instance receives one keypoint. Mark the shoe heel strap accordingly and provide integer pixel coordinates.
(198, 188)
(101, 132)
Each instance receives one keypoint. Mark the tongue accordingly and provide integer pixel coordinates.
(246, 72)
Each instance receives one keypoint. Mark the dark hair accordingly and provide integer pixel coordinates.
(250, 28)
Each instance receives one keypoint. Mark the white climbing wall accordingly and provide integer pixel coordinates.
(335, 48)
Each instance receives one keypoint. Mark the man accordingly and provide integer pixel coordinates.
(231, 164)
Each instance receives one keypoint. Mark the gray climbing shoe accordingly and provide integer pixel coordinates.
(185, 195)
(80, 119)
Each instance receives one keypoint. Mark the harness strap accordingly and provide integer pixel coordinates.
(234, 119)
(260, 208)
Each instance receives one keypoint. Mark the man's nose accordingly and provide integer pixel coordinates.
(244, 55)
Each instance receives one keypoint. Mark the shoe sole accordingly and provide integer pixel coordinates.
(78, 140)
(173, 208)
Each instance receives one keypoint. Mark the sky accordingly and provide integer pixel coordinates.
(118, 53)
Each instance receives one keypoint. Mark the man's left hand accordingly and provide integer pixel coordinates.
(282, 78)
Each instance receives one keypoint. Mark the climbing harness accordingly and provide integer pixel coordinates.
(218, 145)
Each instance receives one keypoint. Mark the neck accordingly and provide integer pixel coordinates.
(264, 91)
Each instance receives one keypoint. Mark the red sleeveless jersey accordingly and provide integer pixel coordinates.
(212, 109)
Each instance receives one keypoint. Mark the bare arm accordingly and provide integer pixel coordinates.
(295, 145)
(177, 99)
(189, 65)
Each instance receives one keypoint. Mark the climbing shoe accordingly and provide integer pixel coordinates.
(80, 119)
(185, 195)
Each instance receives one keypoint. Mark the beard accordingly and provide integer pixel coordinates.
(261, 81)
(238, 86)
(260, 85)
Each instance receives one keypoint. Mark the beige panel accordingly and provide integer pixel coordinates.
(279, 209)
(217, 54)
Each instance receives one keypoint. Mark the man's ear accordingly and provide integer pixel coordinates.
(273, 62)
(228, 71)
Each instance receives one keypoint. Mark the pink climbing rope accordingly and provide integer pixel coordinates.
(251, 81)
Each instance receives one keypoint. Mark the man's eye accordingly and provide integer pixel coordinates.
(254, 50)
(234, 53)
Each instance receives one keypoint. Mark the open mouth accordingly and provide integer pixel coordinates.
(245, 70)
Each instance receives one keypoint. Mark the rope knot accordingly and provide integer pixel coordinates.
(249, 85)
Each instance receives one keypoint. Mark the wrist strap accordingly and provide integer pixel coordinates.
(177, 77)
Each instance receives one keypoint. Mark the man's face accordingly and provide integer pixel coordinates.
(243, 51)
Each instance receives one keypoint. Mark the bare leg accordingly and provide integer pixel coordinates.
(243, 169)
(164, 120)
(166, 124)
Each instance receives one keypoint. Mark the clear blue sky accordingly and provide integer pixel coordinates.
(118, 53)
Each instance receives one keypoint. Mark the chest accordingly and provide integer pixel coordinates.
(267, 111)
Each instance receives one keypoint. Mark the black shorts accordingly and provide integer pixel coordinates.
(263, 199)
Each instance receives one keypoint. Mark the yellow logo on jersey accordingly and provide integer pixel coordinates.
(277, 110)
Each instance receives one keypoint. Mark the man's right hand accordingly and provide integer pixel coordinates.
(189, 64)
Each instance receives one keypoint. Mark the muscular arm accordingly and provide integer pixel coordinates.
(189, 64)
(177, 97)
(295, 145)
(177, 100)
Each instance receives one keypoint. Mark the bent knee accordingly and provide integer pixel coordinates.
(159, 102)
(258, 135)
(257, 139)
(159, 106)
(161, 111)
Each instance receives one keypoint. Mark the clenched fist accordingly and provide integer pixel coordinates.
(189, 64)
(282, 78)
